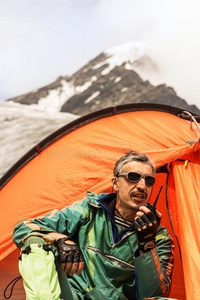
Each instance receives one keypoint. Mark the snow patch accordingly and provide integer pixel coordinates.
(94, 78)
(57, 97)
(117, 79)
(124, 89)
(99, 65)
(92, 97)
(106, 70)
(81, 88)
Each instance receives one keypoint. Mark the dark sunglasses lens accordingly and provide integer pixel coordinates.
(134, 177)
(149, 180)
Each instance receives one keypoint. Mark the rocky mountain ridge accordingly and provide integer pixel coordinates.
(120, 75)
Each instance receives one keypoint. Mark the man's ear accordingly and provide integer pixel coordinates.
(114, 183)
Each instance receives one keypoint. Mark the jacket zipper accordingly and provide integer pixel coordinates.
(111, 258)
(126, 235)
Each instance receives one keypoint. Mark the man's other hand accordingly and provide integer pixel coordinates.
(146, 224)
(71, 257)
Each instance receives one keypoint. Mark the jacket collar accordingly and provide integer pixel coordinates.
(108, 201)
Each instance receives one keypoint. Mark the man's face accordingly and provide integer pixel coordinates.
(133, 195)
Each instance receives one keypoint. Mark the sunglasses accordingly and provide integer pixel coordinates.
(136, 177)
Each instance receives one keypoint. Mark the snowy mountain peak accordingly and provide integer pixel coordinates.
(127, 52)
(135, 57)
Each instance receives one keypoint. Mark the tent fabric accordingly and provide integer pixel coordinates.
(81, 158)
(187, 187)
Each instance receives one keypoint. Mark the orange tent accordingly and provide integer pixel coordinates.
(81, 156)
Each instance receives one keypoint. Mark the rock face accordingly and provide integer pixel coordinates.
(117, 76)
(120, 86)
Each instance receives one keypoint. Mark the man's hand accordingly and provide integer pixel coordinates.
(146, 224)
(70, 264)
(70, 255)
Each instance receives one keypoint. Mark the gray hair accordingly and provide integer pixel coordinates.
(133, 156)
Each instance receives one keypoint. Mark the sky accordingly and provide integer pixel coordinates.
(41, 40)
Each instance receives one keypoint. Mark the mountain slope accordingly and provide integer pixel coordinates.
(116, 76)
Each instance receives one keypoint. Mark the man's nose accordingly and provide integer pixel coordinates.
(141, 184)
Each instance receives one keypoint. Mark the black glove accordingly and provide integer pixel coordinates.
(146, 236)
(68, 252)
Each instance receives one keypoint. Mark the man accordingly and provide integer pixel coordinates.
(111, 246)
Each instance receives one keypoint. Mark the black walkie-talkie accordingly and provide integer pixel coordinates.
(153, 207)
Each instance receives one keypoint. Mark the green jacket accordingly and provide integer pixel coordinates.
(112, 270)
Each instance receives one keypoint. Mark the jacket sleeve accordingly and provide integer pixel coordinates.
(66, 221)
(154, 268)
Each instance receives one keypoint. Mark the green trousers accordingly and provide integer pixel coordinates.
(43, 278)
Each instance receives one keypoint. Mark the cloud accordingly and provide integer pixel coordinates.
(45, 39)
(175, 44)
